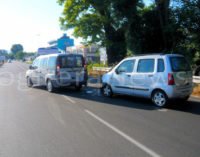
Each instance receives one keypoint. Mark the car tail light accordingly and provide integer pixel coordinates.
(58, 69)
(171, 79)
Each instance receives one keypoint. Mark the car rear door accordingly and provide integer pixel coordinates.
(143, 78)
(181, 71)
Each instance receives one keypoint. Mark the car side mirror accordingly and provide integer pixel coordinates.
(117, 72)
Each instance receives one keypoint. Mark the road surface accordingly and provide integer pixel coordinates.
(35, 123)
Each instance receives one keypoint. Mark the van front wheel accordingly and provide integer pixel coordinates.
(159, 98)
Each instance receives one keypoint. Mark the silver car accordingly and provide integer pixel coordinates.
(158, 76)
(57, 70)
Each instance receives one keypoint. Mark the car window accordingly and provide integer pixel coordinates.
(78, 61)
(161, 65)
(66, 62)
(126, 66)
(179, 64)
(145, 65)
(52, 63)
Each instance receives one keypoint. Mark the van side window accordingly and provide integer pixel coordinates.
(146, 65)
(126, 66)
(43, 62)
(161, 65)
(52, 63)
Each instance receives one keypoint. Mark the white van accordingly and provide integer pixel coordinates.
(58, 70)
(157, 76)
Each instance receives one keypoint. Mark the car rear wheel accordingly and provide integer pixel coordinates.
(107, 91)
(29, 82)
(49, 86)
(159, 98)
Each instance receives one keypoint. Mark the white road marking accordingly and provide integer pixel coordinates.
(69, 99)
(162, 110)
(127, 137)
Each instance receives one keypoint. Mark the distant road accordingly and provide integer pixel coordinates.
(35, 123)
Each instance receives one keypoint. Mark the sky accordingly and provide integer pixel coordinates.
(32, 23)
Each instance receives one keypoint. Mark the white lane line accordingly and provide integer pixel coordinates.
(69, 99)
(162, 110)
(21, 67)
(130, 139)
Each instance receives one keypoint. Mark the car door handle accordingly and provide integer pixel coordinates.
(150, 75)
(128, 75)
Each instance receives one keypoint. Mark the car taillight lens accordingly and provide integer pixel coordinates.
(171, 79)
(58, 69)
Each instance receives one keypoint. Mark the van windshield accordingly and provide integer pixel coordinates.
(71, 61)
(179, 64)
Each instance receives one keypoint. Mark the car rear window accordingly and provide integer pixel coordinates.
(71, 61)
(179, 64)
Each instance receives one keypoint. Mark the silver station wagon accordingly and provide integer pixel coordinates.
(58, 70)
(159, 77)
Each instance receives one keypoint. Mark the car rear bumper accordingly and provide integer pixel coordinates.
(175, 93)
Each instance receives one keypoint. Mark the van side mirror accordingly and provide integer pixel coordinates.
(31, 67)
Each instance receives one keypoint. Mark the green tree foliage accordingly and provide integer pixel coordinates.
(94, 21)
(20, 55)
(169, 26)
(4, 53)
(16, 47)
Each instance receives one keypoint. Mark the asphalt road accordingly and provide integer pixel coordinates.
(35, 123)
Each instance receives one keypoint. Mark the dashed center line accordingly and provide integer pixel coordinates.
(69, 99)
(127, 137)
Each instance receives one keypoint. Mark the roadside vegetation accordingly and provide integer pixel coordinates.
(167, 26)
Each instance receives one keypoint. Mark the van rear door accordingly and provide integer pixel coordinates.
(182, 72)
(70, 68)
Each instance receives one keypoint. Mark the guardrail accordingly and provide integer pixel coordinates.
(101, 69)
(196, 79)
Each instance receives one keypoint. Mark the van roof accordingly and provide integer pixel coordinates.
(60, 54)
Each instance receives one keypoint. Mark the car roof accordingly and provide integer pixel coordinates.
(153, 55)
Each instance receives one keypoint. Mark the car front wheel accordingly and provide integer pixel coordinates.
(107, 91)
(159, 98)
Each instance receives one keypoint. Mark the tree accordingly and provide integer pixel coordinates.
(16, 47)
(20, 55)
(97, 22)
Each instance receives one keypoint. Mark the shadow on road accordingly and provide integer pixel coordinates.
(93, 94)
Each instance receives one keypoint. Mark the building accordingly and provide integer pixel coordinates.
(62, 43)
(90, 53)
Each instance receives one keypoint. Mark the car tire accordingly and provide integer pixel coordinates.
(107, 91)
(29, 82)
(49, 86)
(159, 98)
